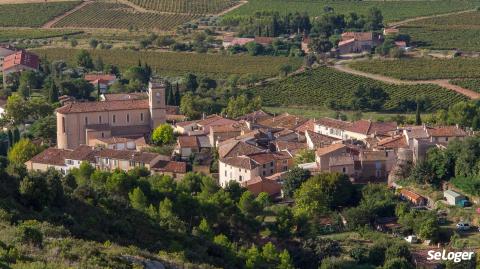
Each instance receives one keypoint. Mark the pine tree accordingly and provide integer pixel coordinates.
(138, 200)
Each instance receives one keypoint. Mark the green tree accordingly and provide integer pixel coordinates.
(241, 105)
(286, 261)
(83, 59)
(294, 179)
(53, 93)
(322, 193)
(34, 190)
(188, 106)
(22, 151)
(163, 134)
(397, 263)
(28, 81)
(304, 156)
(45, 129)
(191, 83)
(93, 43)
(285, 69)
(248, 206)
(138, 200)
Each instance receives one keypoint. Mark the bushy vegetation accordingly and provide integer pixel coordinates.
(120, 16)
(185, 6)
(391, 10)
(446, 32)
(325, 86)
(421, 68)
(168, 63)
(16, 34)
(32, 14)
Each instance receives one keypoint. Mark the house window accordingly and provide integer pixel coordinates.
(114, 119)
(446, 138)
(271, 171)
(103, 135)
(263, 172)
(141, 116)
(86, 120)
(344, 170)
(132, 163)
(100, 119)
(263, 165)
(271, 164)
(240, 178)
(63, 124)
(128, 117)
(107, 161)
(225, 172)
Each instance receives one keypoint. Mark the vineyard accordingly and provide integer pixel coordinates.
(186, 6)
(32, 15)
(448, 32)
(15, 34)
(120, 16)
(323, 85)
(391, 10)
(471, 84)
(173, 64)
(422, 68)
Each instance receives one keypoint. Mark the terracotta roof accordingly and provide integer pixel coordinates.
(125, 96)
(259, 184)
(373, 156)
(266, 157)
(264, 40)
(240, 41)
(240, 161)
(51, 156)
(289, 145)
(329, 149)
(82, 107)
(188, 141)
(214, 120)
(411, 195)
(170, 166)
(237, 148)
(345, 42)
(255, 116)
(21, 58)
(82, 153)
(358, 36)
(320, 140)
(284, 121)
(417, 131)
(368, 127)
(333, 123)
(393, 142)
(306, 126)
(232, 127)
(446, 131)
(143, 157)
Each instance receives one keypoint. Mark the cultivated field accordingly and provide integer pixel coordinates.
(471, 84)
(320, 86)
(7, 34)
(391, 10)
(186, 6)
(421, 68)
(30, 1)
(120, 16)
(173, 64)
(33, 14)
(448, 32)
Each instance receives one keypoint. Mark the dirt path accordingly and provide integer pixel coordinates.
(400, 23)
(340, 66)
(241, 3)
(50, 23)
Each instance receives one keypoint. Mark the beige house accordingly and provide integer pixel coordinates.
(110, 159)
(356, 42)
(78, 123)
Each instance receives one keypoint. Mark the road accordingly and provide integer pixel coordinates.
(400, 23)
(52, 22)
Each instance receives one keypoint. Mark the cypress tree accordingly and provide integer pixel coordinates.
(53, 93)
(418, 119)
(171, 96)
(167, 93)
(10, 138)
(98, 91)
(16, 135)
(177, 95)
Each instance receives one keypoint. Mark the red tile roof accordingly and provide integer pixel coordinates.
(170, 166)
(143, 157)
(23, 58)
(125, 96)
(333, 123)
(51, 156)
(393, 142)
(285, 120)
(329, 149)
(100, 77)
(82, 107)
(188, 141)
(237, 148)
(240, 161)
(446, 131)
(358, 36)
(258, 184)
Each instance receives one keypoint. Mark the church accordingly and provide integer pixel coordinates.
(78, 123)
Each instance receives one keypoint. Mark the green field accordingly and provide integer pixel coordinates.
(422, 68)
(471, 84)
(186, 6)
(319, 86)
(32, 15)
(7, 34)
(120, 16)
(173, 64)
(391, 10)
(448, 32)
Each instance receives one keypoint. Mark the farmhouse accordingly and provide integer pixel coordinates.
(413, 197)
(4, 52)
(101, 80)
(356, 42)
(18, 62)
(229, 41)
(78, 123)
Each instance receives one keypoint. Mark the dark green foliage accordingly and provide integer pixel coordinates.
(294, 179)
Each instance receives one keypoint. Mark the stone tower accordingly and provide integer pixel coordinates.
(156, 103)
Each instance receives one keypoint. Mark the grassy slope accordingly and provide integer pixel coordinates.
(172, 64)
(317, 87)
(391, 10)
(32, 15)
(449, 32)
(422, 68)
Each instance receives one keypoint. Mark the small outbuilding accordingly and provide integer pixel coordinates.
(453, 198)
